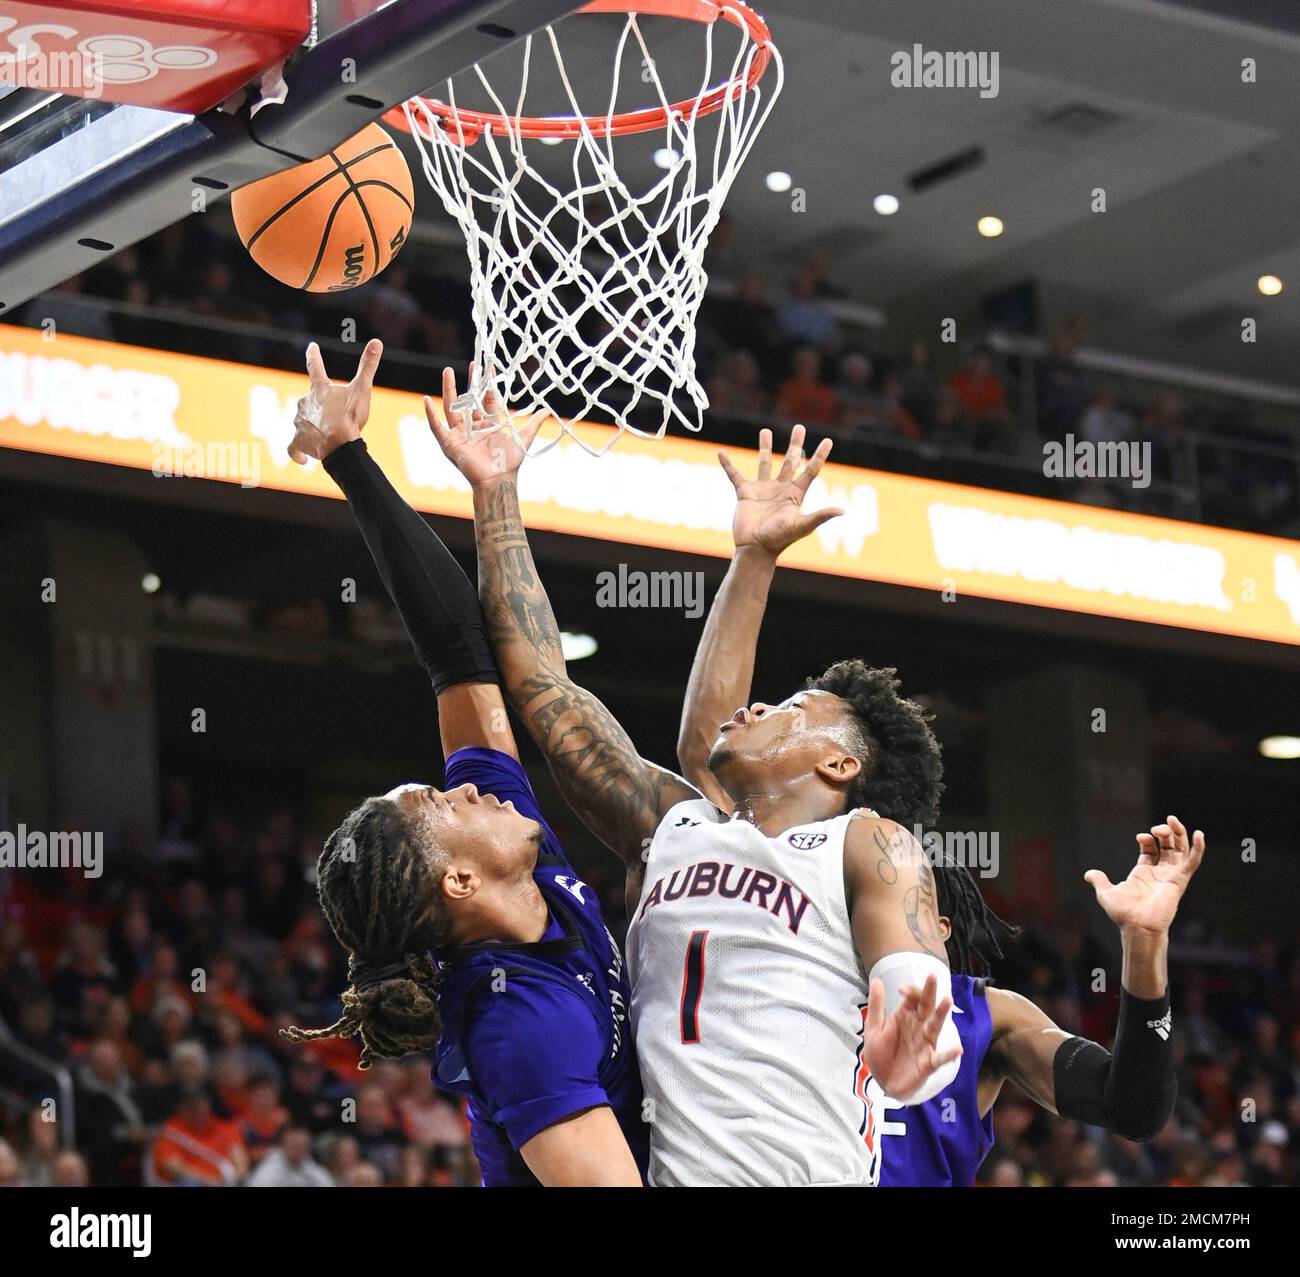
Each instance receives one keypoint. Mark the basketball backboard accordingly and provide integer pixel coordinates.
(81, 178)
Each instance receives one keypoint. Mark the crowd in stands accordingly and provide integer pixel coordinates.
(162, 986)
(770, 351)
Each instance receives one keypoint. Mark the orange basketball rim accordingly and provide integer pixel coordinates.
(467, 126)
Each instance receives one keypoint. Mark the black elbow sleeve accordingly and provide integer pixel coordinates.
(438, 604)
(1131, 1091)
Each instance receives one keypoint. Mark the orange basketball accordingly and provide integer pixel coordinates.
(333, 223)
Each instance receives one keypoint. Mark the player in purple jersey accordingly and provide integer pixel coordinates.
(1005, 1037)
(466, 928)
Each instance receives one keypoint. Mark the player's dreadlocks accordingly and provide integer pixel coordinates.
(975, 939)
(902, 778)
(378, 891)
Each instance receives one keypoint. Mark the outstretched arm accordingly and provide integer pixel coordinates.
(1131, 1090)
(620, 796)
(438, 605)
(768, 519)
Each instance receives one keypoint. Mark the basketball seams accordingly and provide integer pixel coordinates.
(365, 212)
(316, 185)
(388, 186)
(325, 239)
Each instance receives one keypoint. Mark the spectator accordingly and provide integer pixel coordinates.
(1062, 389)
(196, 1148)
(310, 1097)
(804, 397)
(364, 1175)
(1005, 1174)
(983, 398)
(264, 1118)
(341, 1154)
(1104, 421)
(919, 387)
(428, 1118)
(290, 1165)
(162, 980)
(378, 1135)
(42, 1148)
(804, 316)
(10, 1169)
(110, 1123)
(862, 409)
(70, 1171)
(745, 321)
(738, 389)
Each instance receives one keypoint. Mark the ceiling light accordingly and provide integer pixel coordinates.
(779, 182)
(574, 647)
(151, 583)
(666, 157)
(989, 226)
(1269, 285)
(885, 205)
(1280, 747)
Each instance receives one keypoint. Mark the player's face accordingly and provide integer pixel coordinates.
(789, 739)
(471, 828)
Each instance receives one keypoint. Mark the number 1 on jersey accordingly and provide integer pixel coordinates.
(693, 986)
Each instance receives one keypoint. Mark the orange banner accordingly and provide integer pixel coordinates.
(182, 417)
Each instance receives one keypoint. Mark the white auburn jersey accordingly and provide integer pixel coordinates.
(748, 1004)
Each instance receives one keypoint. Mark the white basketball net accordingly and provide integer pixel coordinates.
(585, 297)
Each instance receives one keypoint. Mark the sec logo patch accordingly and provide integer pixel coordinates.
(806, 841)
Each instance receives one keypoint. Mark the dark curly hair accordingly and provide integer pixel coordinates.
(902, 765)
(379, 893)
(902, 778)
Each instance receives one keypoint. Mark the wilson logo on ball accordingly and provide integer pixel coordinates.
(333, 223)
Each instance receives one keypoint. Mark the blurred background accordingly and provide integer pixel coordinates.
(1117, 326)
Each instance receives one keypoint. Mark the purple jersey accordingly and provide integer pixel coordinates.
(534, 1033)
(941, 1143)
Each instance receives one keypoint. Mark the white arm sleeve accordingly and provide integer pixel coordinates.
(898, 969)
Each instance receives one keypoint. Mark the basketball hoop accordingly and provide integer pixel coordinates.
(585, 293)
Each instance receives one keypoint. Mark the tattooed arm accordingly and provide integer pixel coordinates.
(909, 1040)
(891, 893)
(619, 796)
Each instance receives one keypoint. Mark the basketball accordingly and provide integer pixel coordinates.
(333, 223)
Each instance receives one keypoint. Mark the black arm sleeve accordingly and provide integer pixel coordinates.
(437, 601)
(1131, 1092)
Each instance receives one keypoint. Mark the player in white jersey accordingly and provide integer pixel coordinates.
(748, 995)
(1131, 1091)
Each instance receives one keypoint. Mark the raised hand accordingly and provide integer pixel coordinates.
(486, 454)
(769, 512)
(330, 415)
(1147, 899)
(902, 1051)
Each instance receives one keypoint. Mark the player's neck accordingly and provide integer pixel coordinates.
(774, 813)
(516, 913)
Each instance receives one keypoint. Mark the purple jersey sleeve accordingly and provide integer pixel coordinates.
(534, 1052)
(492, 772)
